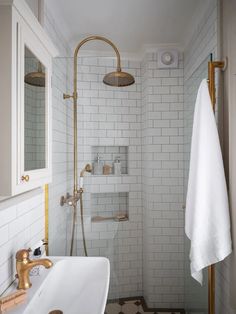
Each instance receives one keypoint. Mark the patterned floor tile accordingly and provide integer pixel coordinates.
(130, 307)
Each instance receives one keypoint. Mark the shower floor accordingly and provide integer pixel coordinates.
(134, 306)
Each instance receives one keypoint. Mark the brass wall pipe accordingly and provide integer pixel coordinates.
(118, 79)
(75, 96)
(212, 65)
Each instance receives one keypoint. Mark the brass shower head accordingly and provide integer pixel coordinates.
(118, 79)
(36, 78)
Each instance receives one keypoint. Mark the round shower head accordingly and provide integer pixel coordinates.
(118, 79)
(36, 78)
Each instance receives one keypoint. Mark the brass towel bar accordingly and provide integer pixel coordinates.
(212, 65)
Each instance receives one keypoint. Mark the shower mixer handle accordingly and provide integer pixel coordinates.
(66, 96)
(70, 200)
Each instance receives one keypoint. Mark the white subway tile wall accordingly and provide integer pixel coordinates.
(109, 122)
(162, 182)
(22, 217)
(109, 204)
(59, 217)
(21, 226)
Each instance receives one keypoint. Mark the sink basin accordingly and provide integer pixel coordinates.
(74, 285)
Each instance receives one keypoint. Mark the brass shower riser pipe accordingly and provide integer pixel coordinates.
(75, 96)
(212, 65)
(118, 79)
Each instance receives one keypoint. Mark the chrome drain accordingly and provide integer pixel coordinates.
(56, 312)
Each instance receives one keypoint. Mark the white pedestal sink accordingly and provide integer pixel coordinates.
(74, 285)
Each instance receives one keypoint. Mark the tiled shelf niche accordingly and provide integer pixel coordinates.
(108, 205)
(108, 155)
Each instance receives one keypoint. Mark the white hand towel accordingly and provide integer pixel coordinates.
(207, 222)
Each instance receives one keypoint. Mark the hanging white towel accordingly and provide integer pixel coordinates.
(207, 222)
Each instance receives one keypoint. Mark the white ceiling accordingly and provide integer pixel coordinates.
(130, 24)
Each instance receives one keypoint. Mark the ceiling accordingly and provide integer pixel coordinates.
(130, 24)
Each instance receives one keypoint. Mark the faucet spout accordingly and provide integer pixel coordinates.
(43, 261)
(24, 265)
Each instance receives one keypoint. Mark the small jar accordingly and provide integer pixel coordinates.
(107, 170)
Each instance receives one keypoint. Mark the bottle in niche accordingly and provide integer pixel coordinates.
(98, 166)
(117, 166)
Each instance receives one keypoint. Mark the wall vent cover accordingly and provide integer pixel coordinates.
(167, 58)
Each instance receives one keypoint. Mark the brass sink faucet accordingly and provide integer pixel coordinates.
(24, 265)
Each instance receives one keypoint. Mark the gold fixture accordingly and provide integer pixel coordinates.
(46, 218)
(11, 300)
(212, 65)
(25, 178)
(66, 96)
(70, 200)
(36, 78)
(211, 78)
(24, 265)
(118, 79)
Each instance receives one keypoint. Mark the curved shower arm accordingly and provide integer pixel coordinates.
(74, 96)
(101, 39)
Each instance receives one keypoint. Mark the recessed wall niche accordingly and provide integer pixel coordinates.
(110, 206)
(108, 154)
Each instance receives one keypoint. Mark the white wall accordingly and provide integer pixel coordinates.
(61, 140)
(22, 217)
(110, 118)
(162, 183)
(21, 226)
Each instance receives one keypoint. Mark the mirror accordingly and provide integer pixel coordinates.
(34, 112)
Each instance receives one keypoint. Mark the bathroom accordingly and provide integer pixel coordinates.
(96, 169)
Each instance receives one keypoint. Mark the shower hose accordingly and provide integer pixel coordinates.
(82, 225)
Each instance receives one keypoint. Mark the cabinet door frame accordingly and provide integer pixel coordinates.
(26, 37)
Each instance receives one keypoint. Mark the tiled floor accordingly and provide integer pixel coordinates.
(130, 307)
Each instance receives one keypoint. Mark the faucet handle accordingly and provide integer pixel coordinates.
(22, 255)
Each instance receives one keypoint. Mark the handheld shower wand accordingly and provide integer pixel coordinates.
(88, 168)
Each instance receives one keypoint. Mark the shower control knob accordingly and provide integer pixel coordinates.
(66, 96)
(25, 178)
